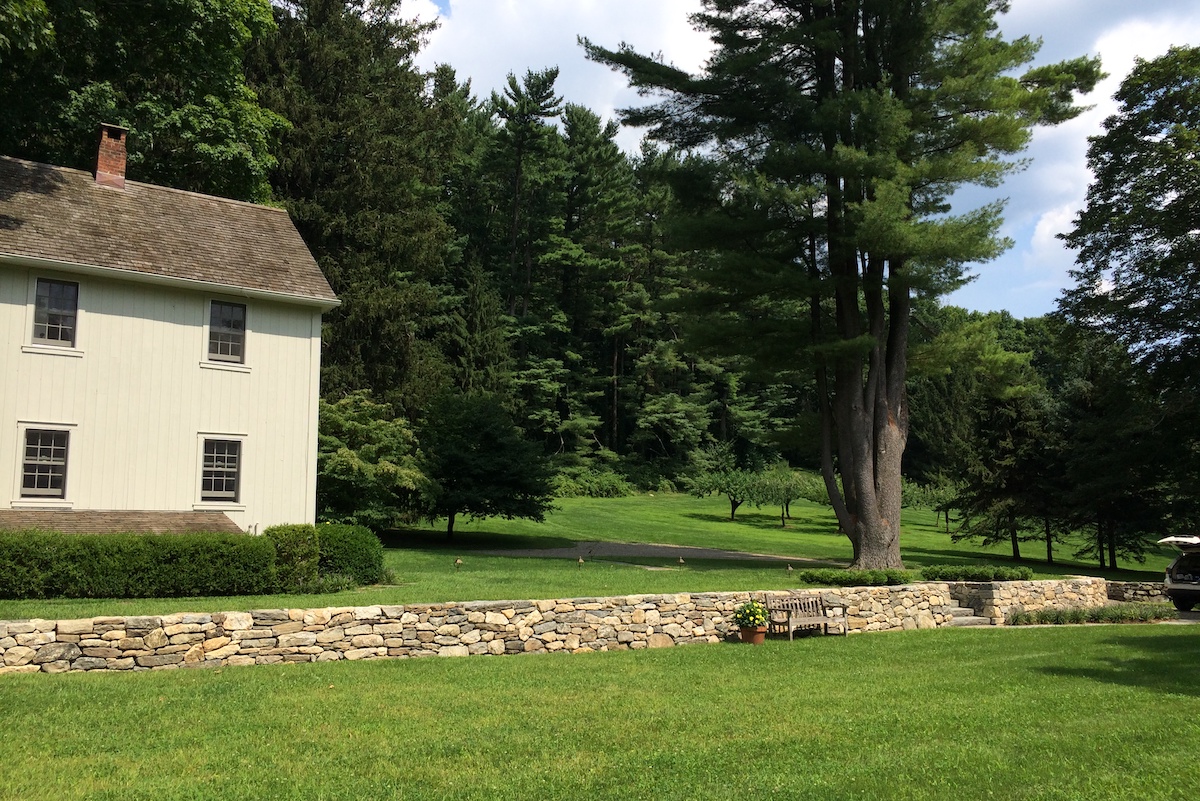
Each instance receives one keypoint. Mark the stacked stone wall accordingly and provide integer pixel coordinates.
(496, 628)
(997, 600)
(1136, 591)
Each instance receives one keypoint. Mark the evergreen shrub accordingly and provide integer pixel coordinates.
(352, 551)
(43, 564)
(589, 482)
(976, 573)
(835, 577)
(297, 556)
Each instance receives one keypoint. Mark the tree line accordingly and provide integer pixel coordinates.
(761, 277)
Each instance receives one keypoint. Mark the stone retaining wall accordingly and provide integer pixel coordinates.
(996, 600)
(1136, 591)
(574, 625)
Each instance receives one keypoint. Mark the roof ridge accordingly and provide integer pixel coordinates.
(144, 185)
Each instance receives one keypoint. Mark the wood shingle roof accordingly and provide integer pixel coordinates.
(80, 521)
(64, 216)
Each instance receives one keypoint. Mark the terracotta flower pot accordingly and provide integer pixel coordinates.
(754, 636)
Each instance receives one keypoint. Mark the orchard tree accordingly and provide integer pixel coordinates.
(827, 138)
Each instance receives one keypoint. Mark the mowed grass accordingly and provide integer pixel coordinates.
(1099, 712)
(422, 559)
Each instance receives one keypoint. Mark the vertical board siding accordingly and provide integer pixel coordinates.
(140, 400)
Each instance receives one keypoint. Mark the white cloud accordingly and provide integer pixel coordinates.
(485, 40)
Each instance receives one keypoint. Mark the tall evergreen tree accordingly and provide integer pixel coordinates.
(360, 174)
(1138, 262)
(833, 133)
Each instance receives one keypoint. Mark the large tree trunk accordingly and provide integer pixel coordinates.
(1112, 545)
(450, 526)
(1049, 542)
(870, 412)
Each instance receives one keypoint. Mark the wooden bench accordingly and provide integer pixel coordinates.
(802, 612)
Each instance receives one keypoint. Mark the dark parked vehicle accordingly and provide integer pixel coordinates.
(1183, 575)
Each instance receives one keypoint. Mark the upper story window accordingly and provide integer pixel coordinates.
(44, 466)
(56, 309)
(227, 332)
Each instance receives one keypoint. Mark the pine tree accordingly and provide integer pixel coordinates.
(832, 134)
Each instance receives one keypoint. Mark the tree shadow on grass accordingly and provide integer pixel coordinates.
(1163, 663)
(769, 522)
(923, 557)
(694, 565)
(427, 539)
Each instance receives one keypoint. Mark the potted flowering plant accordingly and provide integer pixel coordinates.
(751, 619)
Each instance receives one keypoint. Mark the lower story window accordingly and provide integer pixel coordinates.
(44, 468)
(222, 466)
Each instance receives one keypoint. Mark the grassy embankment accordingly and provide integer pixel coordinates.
(1096, 713)
(422, 559)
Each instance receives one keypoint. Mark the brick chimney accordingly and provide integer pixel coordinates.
(110, 160)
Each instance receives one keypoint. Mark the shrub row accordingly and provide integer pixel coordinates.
(975, 573)
(46, 564)
(590, 483)
(834, 577)
(41, 564)
(1117, 613)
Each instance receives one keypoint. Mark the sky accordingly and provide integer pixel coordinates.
(485, 40)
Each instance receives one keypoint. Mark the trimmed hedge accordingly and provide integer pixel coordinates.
(352, 551)
(297, 554)
(835, 577)
(976, 573)
(43, 564)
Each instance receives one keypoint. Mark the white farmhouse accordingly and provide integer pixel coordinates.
(159, 354)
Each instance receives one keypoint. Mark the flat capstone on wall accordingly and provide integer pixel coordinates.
(483, 628)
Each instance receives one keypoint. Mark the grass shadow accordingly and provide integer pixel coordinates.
(768, 522)
(699, 565)
(1166, 664)
(428, 539)
(924, 557)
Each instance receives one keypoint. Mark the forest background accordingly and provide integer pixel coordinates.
(517, 315)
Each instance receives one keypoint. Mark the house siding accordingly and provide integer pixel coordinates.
(138, 401)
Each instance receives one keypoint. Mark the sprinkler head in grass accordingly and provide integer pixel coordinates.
(581, 561)
(789, 568)
(457, 563)
(681, 561)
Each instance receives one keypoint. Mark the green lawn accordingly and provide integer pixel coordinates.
(423, 561)
(1099, 712)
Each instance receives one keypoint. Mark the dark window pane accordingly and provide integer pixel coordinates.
(55, 309)
(226, 332)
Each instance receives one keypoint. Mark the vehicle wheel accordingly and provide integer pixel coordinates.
(1182, 605)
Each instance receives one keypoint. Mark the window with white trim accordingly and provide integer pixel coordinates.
(44, 466)
(221, 470)
(55, 311)
(227, 332)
